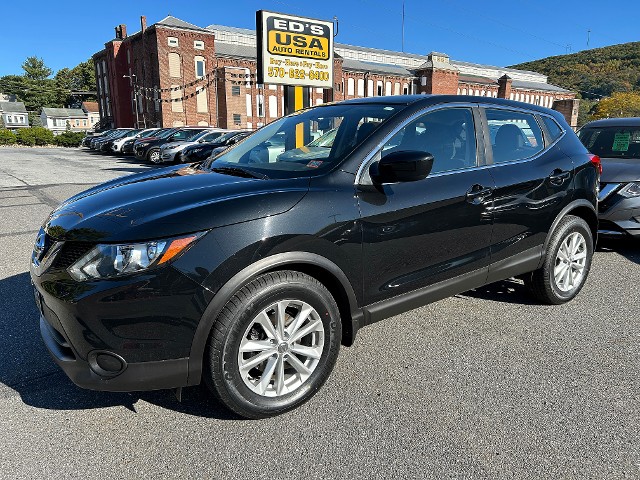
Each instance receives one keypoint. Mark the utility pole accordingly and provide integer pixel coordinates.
(132, 78)
(402, 26)
(588, 37)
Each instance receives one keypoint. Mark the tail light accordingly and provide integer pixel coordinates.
(595, 159)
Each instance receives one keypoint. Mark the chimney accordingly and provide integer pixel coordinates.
(121, 32)
(504, 86)
(143, 23)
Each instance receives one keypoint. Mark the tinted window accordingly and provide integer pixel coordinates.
(552, 127)
(211, 136)
(286, 147)
(514, 135)
(447, 134)
(612, 142)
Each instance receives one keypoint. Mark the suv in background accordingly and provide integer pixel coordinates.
(204, 148)
(248, 272)
(617, 142)
(149, 149)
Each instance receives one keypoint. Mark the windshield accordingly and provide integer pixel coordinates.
(164, 133)
(612, 142)
(210, 136)
(186, 135)
(286, 148)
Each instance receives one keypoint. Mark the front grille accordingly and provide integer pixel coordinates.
(71, 252)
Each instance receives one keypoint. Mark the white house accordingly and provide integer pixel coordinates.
(56, 119)
(14, 115)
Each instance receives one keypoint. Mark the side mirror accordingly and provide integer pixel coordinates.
(402, 166)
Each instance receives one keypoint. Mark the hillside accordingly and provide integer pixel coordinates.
(593, 73)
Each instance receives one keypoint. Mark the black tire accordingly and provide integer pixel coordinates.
(542, 282)
(154, 156)
(239, 317)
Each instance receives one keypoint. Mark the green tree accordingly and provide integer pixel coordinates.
(620, 104)
(35, 69)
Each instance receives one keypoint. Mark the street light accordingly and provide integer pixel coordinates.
(132, 77)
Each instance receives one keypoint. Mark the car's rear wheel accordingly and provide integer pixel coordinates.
(154, 155)
(273, 345)
(566, 265)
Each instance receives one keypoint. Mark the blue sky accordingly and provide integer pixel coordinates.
(499, 32)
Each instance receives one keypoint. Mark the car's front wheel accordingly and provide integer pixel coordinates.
(273, 345)
(154, 155)
(566, 265)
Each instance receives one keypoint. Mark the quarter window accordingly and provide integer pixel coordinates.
(514, 135)
(447, 134)
(553, 128)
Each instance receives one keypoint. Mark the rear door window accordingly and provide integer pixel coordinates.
(514, 135)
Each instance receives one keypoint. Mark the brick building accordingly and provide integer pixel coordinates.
(174, 73)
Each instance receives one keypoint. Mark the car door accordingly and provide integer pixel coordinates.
(418, 234)
(532, 178)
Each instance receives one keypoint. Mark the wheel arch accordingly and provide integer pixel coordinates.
(579, 208)
(316, 266)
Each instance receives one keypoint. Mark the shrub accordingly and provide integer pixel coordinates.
(35, 136)
(7, 137)
(25, 136)
(69, 139)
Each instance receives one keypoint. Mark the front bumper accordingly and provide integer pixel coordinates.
(619, 216)
(125, 334)
(139, 376)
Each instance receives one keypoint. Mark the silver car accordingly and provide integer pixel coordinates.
(172, 152)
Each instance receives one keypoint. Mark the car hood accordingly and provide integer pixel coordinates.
(177, 145)
(169, 202)
(620, 170)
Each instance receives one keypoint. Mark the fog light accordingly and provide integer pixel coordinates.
(106, 364)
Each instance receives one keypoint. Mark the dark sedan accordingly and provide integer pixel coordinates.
(617, 142)
(149, 150)
(202, 151)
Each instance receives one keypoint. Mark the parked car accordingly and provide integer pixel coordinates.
(617, 142)
(248, 275)
(107, 145)
(172, 152)
(95, 142)
(202, 150)
(90, 136)
(150, 149)
(116, 145)
(128, 145)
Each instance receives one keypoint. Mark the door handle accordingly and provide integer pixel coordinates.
(558, 177)
(477, 194)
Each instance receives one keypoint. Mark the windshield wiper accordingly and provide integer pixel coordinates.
(239, 172)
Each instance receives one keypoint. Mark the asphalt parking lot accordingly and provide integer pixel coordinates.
(487, 384)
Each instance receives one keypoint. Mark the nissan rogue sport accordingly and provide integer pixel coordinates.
(249, 271)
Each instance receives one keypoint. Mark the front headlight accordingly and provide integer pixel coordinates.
(105, 261)
(631, 190)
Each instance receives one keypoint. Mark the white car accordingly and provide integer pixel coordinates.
(172, 152)
(117, 144)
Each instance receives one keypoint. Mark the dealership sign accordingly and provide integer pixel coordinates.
(294, 50)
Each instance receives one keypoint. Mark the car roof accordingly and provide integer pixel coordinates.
(430, 99)
(614, 122)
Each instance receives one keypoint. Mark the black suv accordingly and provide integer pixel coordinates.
(250, 271)
(149, 149)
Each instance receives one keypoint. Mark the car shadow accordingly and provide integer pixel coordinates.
(509, 291)
(627, 247)
(28, 369)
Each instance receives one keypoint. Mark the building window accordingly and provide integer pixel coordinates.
(273, 106)
(9, 119)
(198, 44)
(199, 61)
(405, 89)
(350, 86)
(361, 87)
(176, 99)
(387, 88)
(201, 101)
(235, 90)
(174, 65)
(84, 123)
(237, 119)
(379, 89)
(172, 41)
